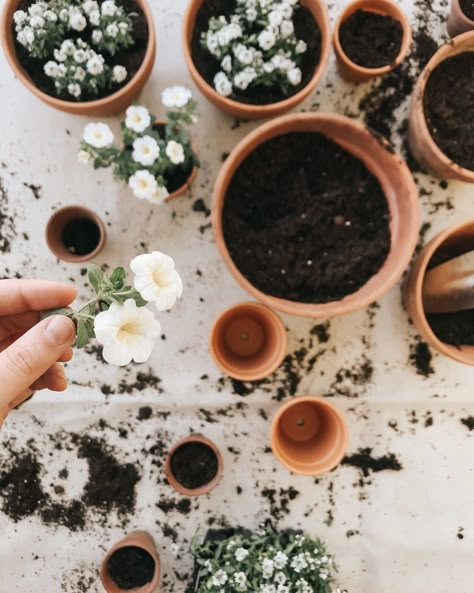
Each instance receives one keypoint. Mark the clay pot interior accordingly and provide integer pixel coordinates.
(309, 436)
(248, 341)
(79, 224)
(458, 21)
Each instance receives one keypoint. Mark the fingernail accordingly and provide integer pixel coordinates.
(60, 330)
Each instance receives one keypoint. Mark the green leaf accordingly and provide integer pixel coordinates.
(96, 276)
(118, 278)
(84, 332)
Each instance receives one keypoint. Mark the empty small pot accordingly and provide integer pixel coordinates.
(132, 564)
(75, 234)
(309, 436)
(194, 466)
(458, 21)
(353, 72)
(248, 341)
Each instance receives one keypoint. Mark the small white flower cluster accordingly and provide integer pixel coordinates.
(257, 45)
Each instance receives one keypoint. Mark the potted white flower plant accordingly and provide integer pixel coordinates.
(156, 158)
(117, 315)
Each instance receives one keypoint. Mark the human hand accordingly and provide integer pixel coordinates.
(32, 349)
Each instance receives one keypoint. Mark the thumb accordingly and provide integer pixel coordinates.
(27, 359)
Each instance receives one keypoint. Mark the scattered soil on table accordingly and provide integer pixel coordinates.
(131, 57)
(449, 108)
(321, 332)
(370, 39)
(352, 381)
(81, 236)
(279, 500)
(469, 422)
(279, 201)
(467, 6)
(200, 206)
(456, 329)
(420, 358)
(35, 189)
(144, 413)
(7, 225)
(367, 463)
(131, 567)
(207, 65)
(194, 464)
(183, 505)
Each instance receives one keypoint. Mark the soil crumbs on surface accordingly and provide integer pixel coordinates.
(469, 422)
(420, 358)
(367, 463)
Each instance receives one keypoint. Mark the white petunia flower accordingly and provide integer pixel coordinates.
(95, 65)
(145, 150)
(126, 333)
(74, 89)
(97, 36)
(28, 35)
(222, 84)
(20, 17)
(299, 563)
(36, 9)
(84, 157)
(241, 554)
(287, 28)
(90, 6)
(266, 40)
(160, 195)
(143, 184)
(176, 96)
(109, 8)
(251, 14)
(275, 17)
(77, 20)
(245, 77)
(123, 27)
(286, 10)
(51, 69)
(244, 54)
(156, 279)
(240, 580)
(36, 22)
(94, 18)
(119, 73)
(175, 152)
(137, 118)
(226, 64)
(112, 30)
(280, 577)
(64, 15)
(294, 76)
(98, 135)
(301, 47)
(212, 43)
(80, 56)
(79, 74)
(268, 67)
(267, 568)
(50, 16)
(267, 588)
(68, 47)
(280, 560)
(219, 579)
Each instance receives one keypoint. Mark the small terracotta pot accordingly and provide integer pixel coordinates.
(351, 71)
(422, 145)
(55, 227)
(107, 106)
(395, 179)
(139, 539)
(309, 436)
(252, 111)
(248, 341)
(194, 438)
(458, 22)
(453, 241)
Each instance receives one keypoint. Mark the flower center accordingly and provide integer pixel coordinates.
(128, 328)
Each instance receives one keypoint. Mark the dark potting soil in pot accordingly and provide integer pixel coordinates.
(456, 329)
(131, 567)
(371, 40)
(306, 28)
(305, 220)
(194, 464)
(131, 57)
(449, 108)
(467, 6)
(81, 236)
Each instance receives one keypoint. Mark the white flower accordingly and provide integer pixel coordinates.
(137, 118)
(119, 73)
(303, 586)
(50, 16)
(37, 21)
(94, 18)
(95, 65)
(175, 152)
(123, 27)
(240, 580)
(294, 76)
(267, 567)
(222, 84)
(156, 279)
(27, 36)
(280, 577)
(160, 195)
(51, 69)
(80, 74)
(251, 14)
(109, 8)
(241, 554)
(244, 54)
(80, 56)
(143, 184)
(283, 589)
(126, 333)
(77, 20)
(74, 89)
(301, 47)
(245, 77)
(112, 30)
(36, 9)
(266, 40)
(68, 47)
(90, 6)
(275, 18)
(219, 579)
(98, 135)
(83, 157)
(212, 43)
(286, 28)
(145, 150)
(267, 588)
(176, 96)
(226, 64)
(280, 559)
(268, 67)
(96, 36)
(286, 10)
(299, 563)
(64, 15)
(20, 17)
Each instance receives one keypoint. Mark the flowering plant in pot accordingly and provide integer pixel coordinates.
(156, 159)
(86, 58)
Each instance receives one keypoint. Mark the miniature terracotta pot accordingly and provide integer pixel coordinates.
(194, 438)
(309, 436)
(453, 241)
(458, 21)
(395, 179)
(139, 539)
(55, 228)
(248, 341)
(351, 71)
(422, 145)
(107, 106)
(253, 111)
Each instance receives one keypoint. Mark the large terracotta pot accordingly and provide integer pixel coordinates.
(351, 71)
(458, 22)
(424, 148)
(381, 160)
(252, 111)
(457, 239)
(107, 106)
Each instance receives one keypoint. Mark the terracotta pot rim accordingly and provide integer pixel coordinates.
(404, 47)
(446, 51)
(278, 355)
(87, 213)
(71, 106)
(351, 302)
(194, 438)
(249, 109)
(321, 402)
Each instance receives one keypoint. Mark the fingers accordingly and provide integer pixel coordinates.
(18, 296)
(15, 325)
(54, 379)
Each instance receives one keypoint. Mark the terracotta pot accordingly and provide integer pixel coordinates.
(55, 228)
(139, 539)
(422, 145)
(453, 241)
(458, 22)
(351, 71)
(107, 106)
(194, 438)
(252, 111)
(248, 341)
(309, 436)
(395, 179)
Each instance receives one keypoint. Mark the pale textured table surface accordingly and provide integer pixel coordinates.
(392, 531)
